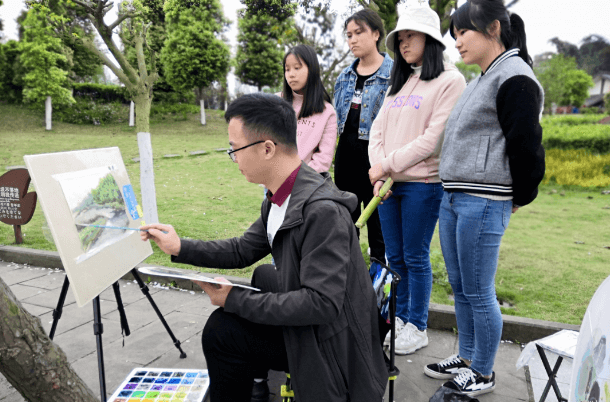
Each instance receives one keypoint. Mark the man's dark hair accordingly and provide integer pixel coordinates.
(432, 65)
(369, 18)
(265, 117)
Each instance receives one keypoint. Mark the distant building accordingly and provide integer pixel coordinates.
(601, 87)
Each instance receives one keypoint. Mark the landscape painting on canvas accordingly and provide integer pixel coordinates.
(95, 198)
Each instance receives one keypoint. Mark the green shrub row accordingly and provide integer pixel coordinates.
(173, 108)
(571, 119)
(591, 137)
(91, 112)
(100, 93)
(103, 93)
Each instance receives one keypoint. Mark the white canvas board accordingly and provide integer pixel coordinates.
(65, 182)
(591, 368)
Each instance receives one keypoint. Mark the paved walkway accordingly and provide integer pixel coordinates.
(149, 345)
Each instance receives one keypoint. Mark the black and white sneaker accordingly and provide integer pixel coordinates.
(447, 369)
(471, 383)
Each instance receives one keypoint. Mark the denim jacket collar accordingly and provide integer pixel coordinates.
(383, 71)
(373, 95)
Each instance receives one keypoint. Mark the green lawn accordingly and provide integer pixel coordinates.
(553, 258)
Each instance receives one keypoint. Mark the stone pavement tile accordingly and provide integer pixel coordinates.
(130, 292)
(35, 310)
(115, 373)
(412, 385)
(74, 316)
(145, 349)
(81, 341)
(22, 292)
(194, 355)
(168, 300)
(8, 393)
(200, 306)
(8, 266)
(50, 298)
(152, 341)
(21, 275)
(50, 280)
(540, 377)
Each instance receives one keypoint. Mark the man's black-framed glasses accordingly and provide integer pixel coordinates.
(231, 151)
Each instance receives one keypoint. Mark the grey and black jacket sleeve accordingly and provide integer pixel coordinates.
(519, 101)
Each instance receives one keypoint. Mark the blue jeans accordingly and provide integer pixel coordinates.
(471, 229)
(408, 219)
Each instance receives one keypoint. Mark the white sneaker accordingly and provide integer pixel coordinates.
(399, 327)
(410, 340)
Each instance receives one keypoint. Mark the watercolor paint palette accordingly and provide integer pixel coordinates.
(163, 385)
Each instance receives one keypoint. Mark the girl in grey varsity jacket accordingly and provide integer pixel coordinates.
(492, 161)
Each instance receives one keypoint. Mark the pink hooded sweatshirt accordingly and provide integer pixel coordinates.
(316, 135)
(407, 134)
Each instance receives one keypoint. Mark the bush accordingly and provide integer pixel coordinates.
(594, 138)
(173, 109)
(607, 102)
(90, 112)
(577, 167)
(571, 120)
(100, 93)
(174, 97)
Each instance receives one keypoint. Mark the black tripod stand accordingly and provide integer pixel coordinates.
(98, 327)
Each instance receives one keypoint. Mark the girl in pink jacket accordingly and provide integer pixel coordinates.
(405, 143)
(316, 118)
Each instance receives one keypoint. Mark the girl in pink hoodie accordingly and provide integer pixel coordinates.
(316, 118)
(405, 143)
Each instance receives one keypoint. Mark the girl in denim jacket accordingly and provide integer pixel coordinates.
(359, 94)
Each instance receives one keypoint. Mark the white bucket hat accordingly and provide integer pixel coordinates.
(418, 17)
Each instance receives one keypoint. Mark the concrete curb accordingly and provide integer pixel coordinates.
(442, 317)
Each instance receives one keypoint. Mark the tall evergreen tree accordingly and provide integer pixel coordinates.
(262, 28)
(45, 63)
(194, 54)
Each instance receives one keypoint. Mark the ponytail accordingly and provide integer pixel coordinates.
(477, 15)
(517, 33)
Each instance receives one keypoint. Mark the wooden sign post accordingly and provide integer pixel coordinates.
(16, 204)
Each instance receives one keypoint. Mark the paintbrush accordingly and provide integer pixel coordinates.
(116, 227)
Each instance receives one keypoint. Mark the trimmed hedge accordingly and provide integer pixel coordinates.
(571, 119)
(100, 93)
(91, 112)
(591, 137)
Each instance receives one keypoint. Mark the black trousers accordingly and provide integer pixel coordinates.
(237, 350)
(352, 174)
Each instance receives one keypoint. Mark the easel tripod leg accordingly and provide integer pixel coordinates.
(122, 315)
(146, 292)
(98, 330)
(60, 306)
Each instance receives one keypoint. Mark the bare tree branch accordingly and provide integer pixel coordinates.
(106, 61)
(120, 20)
(336, 62)
(88, 7)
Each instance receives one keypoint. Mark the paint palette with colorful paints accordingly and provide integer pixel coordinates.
(163, 385)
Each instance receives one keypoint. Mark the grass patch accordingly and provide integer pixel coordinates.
(552, 259)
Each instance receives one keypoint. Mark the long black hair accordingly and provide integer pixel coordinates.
(314, 93)
(477, 15)
(369, 18)
(432, 65)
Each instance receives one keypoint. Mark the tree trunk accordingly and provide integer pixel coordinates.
(143, 102)
(31, 362)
